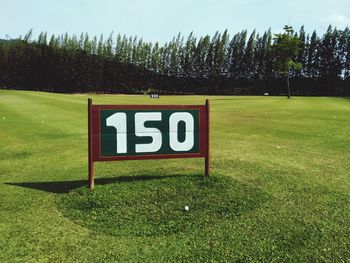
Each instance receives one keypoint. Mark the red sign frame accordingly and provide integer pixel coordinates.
(94, 143)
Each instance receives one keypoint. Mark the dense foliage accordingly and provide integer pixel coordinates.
(241, 64)
(286, 50)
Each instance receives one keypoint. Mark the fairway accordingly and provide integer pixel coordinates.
(279, 189)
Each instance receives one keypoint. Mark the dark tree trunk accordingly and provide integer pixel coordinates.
(288, 87)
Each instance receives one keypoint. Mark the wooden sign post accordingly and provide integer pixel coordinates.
(140, 132)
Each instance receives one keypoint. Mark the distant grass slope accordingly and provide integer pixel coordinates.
(279, 192)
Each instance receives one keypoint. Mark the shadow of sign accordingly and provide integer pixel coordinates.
(61, 187)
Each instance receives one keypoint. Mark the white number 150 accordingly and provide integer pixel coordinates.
(119, 122)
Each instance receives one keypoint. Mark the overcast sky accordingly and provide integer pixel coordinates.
(160, 20)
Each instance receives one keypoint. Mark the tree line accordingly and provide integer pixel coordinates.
(219, 64)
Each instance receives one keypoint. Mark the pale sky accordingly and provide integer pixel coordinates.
(160, 20)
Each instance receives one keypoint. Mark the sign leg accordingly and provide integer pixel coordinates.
(207, 156)
(91, 176)
(90, 161)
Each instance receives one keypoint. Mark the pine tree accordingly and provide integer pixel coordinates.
(303, 52)
(248, 63)
(347, 52)
(108, 47)
(28, 36)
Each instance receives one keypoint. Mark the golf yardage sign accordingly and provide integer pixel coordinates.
(136, 132)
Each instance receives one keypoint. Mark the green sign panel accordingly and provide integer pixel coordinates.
(149, 132)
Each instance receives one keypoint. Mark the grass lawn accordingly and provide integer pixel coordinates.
(279, 190)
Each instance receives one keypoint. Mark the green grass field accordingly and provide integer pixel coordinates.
(279, 190)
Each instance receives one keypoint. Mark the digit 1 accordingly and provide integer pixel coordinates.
(118, 121)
